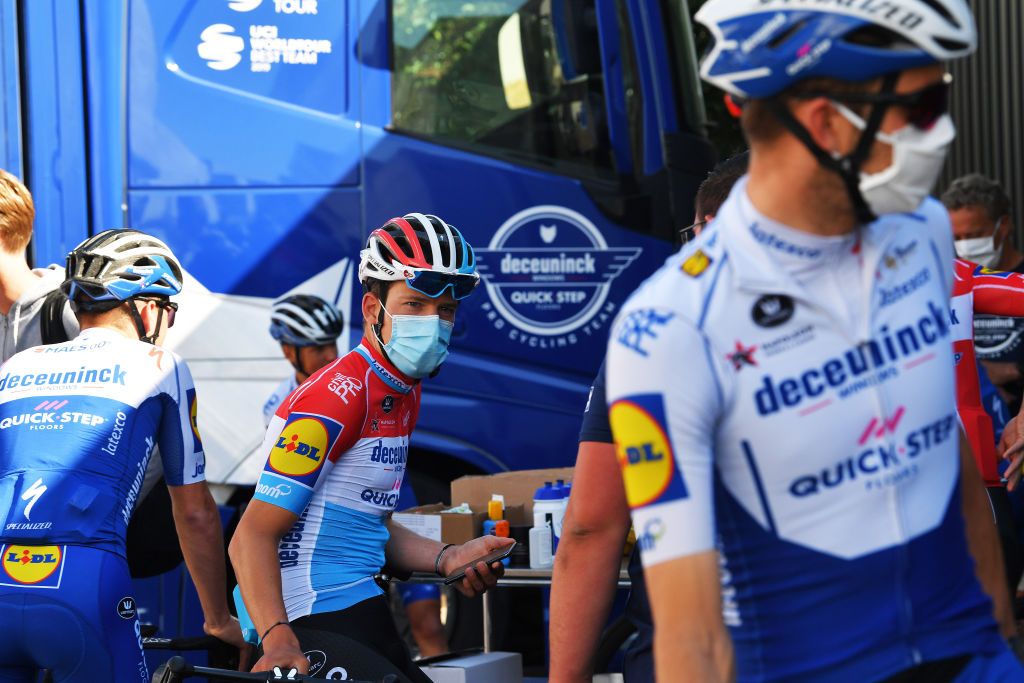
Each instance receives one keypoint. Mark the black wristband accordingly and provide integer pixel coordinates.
(272, 627)
(437, 562)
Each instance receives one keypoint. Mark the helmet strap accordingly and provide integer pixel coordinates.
(379, 325)
(140, 326)
(846, 167)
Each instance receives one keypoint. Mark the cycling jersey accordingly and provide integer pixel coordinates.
(979, 290)
(78, 424)
(287, 386)
(337, 451)
(815, 448)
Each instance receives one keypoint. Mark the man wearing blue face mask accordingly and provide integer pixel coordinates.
(319, 527)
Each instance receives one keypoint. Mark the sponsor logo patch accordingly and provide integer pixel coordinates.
(126, 607)
(644, 450)
(28, 565)
(641, 326)
(772, 310)
(301, 447)
(193, 411)
(696, 264)
(741, 356)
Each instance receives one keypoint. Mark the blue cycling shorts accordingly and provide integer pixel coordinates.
(415, 592)
(68, 609)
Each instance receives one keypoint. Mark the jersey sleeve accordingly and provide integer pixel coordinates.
(310, 430)
(664, 400)
(181, 448)
(998, 292)
(595, 415)
(940, 231)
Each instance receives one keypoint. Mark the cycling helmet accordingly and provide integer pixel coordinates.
(305, 320)
(117, 265)
(761, 47)
(424, 251)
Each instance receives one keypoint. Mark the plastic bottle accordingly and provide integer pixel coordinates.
(494, 525)
(547, 507)
(540, 544)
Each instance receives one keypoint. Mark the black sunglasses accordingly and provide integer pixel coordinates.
(924, 107)
(690, 231)
(169, 306)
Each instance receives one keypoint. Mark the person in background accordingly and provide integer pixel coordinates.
(983, 230)
(596, 522)
(308, 328)
(24, 292)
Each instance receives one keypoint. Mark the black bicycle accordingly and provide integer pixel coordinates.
(177, 669)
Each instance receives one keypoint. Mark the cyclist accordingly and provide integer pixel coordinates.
(25, 292)
(319, 528)
(308, 328)
(597, 520)
(782, 393)
(78, 423)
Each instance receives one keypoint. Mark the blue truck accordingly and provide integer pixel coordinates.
(264, 139)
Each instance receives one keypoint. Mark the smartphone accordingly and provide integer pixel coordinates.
(488, 559)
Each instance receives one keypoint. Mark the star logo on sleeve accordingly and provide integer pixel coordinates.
(742, 356)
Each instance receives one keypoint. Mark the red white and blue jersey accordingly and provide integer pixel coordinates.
(337, 450)
(788, 400)
(78, 424)
(983, 291)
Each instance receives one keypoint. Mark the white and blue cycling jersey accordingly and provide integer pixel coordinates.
(78, 424)
(788, 400)
(287, 386)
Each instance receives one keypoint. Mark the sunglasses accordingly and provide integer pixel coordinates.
(170, 307)
(923, 107)
(690, 231)
(433, 283)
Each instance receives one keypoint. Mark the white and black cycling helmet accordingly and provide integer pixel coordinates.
(305, 320)
(117, 265)
(429, 254)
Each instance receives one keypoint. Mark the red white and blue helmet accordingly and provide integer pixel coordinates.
(423, 250)
(117, 265)
(305, 320)
(761, 47)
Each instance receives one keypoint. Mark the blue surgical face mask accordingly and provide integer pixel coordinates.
(419, 343)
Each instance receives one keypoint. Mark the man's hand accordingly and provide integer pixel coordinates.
(1011, 447)
(231, 633)
(480, 577)
(281, 648)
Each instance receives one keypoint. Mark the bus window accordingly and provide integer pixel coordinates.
(503, 77)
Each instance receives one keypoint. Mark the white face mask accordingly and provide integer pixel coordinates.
(917, 159)
(982, 250)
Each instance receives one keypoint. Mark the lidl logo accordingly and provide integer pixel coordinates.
(300, 448)
(32, 565)
(644, 451)
(193, 410)
(696, 264)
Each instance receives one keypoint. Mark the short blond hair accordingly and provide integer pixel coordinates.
(16, 213)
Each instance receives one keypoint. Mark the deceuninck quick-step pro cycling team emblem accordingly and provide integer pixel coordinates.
(548, 271)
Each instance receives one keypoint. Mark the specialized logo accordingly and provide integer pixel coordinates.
(343, 386)
(742, 356)
(863, 366)
(32, 495)
(772, 310)
(886, 12)
(83, 375)
(126, 608)
(644, 450)
(696, 264)
(301, 447)
(641, 326)
(220, 47)
(193, 411)
(881, 465)
(549, 271)
(33, 565)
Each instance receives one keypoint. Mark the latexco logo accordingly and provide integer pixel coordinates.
(220, 47)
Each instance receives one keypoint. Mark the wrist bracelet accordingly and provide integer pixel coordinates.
(437, 562)
(272, 627)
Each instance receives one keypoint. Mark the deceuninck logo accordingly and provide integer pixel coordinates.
(548, 271)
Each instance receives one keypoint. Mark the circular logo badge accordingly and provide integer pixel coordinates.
(549, 269)
(126, 607)
(31, 564)
(300, 448)
(644, 453)
(772, 310)
(317, 660)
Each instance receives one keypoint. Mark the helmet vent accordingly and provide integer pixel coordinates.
(786, 35)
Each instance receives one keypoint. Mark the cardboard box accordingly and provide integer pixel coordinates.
(451, 527)
(486, 667)
(517, 487)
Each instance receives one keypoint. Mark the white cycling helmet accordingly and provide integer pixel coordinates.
(305, 320)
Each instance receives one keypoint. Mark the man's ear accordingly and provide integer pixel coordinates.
(818, 116)
(371, 308)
